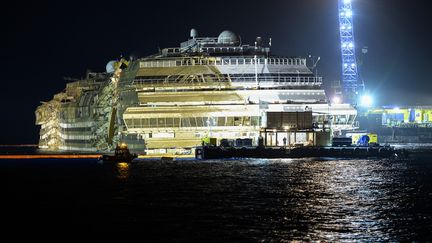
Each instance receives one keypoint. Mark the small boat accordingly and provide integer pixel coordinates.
(121, 154)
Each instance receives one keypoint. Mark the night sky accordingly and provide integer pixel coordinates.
(43, 42)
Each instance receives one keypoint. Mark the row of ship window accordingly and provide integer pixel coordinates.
(230, 61)
(193, 122)
(76, 129)
(233, 77)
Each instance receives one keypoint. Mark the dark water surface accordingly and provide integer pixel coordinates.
(256, 200)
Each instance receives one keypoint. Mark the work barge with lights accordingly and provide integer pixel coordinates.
(209, 90)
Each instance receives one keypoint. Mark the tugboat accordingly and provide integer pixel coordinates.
(121, 154)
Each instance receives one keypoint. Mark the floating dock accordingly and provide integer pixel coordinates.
(215, 152)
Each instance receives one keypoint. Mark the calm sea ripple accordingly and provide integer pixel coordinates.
(250, 200)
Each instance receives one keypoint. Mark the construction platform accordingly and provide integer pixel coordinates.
(215, 152)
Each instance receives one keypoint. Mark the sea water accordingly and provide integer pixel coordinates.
(245, 200)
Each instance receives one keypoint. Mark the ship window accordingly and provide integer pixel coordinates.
(199, 122)
(169, 122)
(230, 121)
(193, 122)
(161, 122)
(208, 121)
(185, 122)
(237, 121)
(136, 123)
(128, 122)
(255, 121)
(145, 122)
(176, 122)
(221, 121)
(246, 121)
(153, 122)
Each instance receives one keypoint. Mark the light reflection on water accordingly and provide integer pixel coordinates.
(286, 199)
(252, 200)
(345, 196)
(123, 170)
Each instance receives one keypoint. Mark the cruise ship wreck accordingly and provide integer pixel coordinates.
(208, 87)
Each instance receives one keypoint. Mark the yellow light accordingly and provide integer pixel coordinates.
(123, 165)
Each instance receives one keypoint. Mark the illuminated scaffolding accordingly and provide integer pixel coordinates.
(350, 80)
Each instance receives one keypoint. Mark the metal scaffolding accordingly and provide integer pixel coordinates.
(350, 80)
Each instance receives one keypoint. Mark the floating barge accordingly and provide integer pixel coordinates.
(215, 152)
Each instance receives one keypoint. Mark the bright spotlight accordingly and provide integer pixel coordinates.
(336, 100)
(347, 1)
(366, 101)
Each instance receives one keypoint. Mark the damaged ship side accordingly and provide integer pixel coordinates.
(83, 116)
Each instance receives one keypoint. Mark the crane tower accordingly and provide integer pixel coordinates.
(351, 86)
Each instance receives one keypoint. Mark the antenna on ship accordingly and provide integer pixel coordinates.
(256, 72)
(314, 64)
(267, 50)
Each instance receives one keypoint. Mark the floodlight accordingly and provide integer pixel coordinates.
(366, 101)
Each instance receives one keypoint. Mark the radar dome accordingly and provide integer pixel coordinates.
(228, 37)
(193, 33)
(110, 67)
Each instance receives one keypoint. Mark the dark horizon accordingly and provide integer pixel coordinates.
(45, 42)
